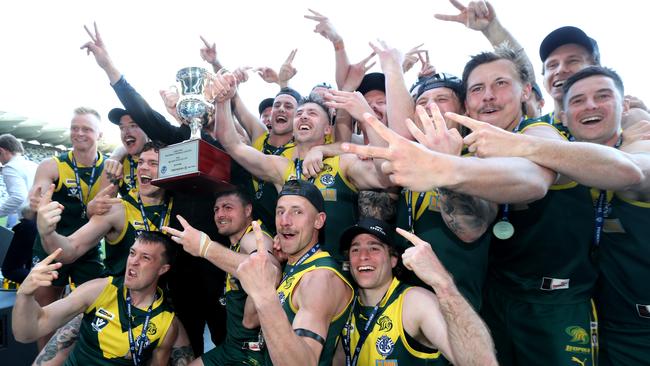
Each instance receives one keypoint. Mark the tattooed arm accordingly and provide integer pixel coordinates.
(175, 348)
(58, 348)
(466, 216)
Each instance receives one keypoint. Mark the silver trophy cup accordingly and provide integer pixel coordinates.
(192, 106)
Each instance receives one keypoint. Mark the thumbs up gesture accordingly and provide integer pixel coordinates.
(48, 212)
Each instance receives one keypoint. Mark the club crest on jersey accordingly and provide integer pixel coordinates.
(99, 323)
(152, 329)
(288, 282)
(73, 192)
(327, 179)
(384, 345)
(577, 334)
(385, 324)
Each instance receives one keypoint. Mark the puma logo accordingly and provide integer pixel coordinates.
(577, 360)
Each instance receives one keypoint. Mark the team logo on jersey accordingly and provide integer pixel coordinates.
(551, 284)
(577, 334)
(643, 310)
(385, 324)
(288, 282)
(73, 192)
(152, 329)
(327, 179)
(384, 345)
(99, 323)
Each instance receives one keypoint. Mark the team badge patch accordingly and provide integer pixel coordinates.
(152, 329)
(327, 179)
(385, 324)
(577, 334)
(384, 345)
(99, 323)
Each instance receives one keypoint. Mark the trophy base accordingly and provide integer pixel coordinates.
(193, 166)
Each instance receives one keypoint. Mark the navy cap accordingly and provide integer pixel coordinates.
(367, 225)
(268, 102)
(304, 189)
(290, 91)
(568, 35)
(372, 81)
(116, 114)
(439, 80)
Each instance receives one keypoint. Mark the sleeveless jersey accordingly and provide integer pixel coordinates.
(320, 260)
(117, 251)
(340, 201)
(235, 301)
(548, 119)
(387, 343)
(266, 196)
(103, 336)
(547, 260)
(467, 262)
(624, 260)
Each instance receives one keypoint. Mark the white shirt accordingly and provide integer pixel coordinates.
(18, 175)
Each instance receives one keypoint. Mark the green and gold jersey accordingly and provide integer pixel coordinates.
(319, 260)
(388, 343)
(129, 182)
(266, 196)
(550, 119)
(103, 336)
(340, 201)
(623, 294)
(467, 262)
(547, 260)
(117, 251)
(235, 301)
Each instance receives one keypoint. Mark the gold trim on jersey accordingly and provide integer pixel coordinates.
(130, 209)
(64, 167)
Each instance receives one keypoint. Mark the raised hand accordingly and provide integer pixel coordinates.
(257, 274)
(408, 164)
(209, 52)
(388, 56)
(170, 97)
(312, 164)
(477, 15)
(487, 140)
(113, 170)
(287, 71)
(427, 69)
(412, 56)
(421, 259)
(241, 74)
(48, 212)
(104, 200)
(223, 86)
(97, 47)
(41, 275)
(324, 26)
(190, 238)
(353, 102)
(356, 72)
(268, 74)
(434, 134)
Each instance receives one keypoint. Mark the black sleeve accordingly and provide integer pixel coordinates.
(151, 122)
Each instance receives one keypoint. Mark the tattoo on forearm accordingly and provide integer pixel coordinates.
(463, 214)
(64, 338)
(182, 356)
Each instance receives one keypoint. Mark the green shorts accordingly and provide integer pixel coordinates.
(231, 353)
(87, 267)
(623, 344)
(541, 334)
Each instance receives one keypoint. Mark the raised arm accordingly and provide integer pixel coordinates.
(253, 125)
(79, 242)
(30, 321)
(326, 29)
(446, 320)
(269, 168)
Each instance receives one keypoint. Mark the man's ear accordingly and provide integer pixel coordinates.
(319, 222)
(163, 269)
(526, 92)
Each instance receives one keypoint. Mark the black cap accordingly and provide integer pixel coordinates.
(290, 91)
(268, 102)
(322, 85)
(367, 225)
(537, 90)
(372, 81)
(439, 80)
(304, 189)
(568, 35)
(116, 114)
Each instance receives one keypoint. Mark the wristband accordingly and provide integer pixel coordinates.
(205, 244)
(338, 45)
(301, 332)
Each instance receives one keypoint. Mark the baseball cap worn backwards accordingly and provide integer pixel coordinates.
(306, 190)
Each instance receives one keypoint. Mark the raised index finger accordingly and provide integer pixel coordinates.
(259, 238)
(47, 196)
(457, 5)
(50, 258)
(411, 237)
(291, 56)
(206, 43)
(470, 123)
(92, 36)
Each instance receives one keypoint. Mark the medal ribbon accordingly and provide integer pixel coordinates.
(267, 149)
(137, 346)
(80, 193)
(144, 215)
(413, 210)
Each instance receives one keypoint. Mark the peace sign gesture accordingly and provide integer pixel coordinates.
(97, 47)
(41, 275)
(324, 27)
(477, 15)
(193, 241)
(434, 134)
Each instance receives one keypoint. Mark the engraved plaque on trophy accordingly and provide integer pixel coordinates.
(193, 165)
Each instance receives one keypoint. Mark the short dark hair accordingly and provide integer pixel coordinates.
(501, 52)
(153, 145)
(593, 71)
(11, 144)
(243, 197)
(318, 100)
(156, 237)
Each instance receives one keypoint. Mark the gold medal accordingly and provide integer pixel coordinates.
(503, 230)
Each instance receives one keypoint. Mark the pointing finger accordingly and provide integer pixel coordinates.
(50, 258)
(183, 222)
(470, 123)
(171, 231)
(457, 5)
(366, 150)
(259, 238)
(47, 196)
(206, 43)
(411, 237)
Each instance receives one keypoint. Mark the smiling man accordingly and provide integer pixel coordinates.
(402, 324)
(147, 209)
(133, 140)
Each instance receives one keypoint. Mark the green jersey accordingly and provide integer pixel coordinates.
(103, 336)
(467, 262)
(551, 120)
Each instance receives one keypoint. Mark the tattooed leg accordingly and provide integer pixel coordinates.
(182, 356)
